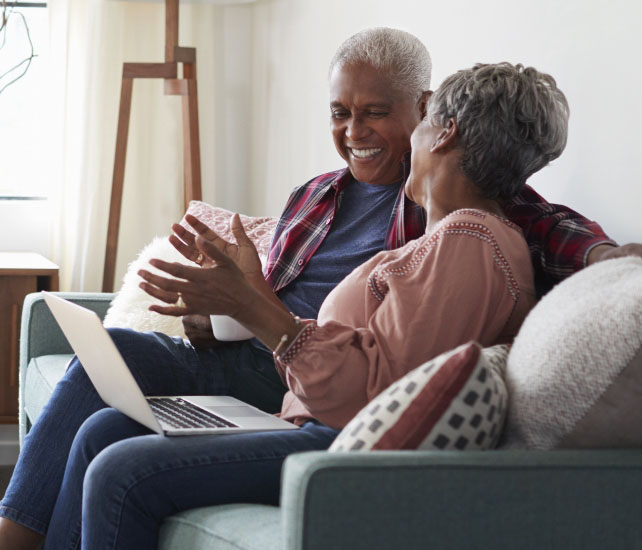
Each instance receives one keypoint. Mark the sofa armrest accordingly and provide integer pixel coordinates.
(39, 331)
(41, 335)
(463, 500)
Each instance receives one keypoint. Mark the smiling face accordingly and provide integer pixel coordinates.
(371, 122)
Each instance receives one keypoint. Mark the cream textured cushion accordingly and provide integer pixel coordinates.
(455, 401)
(574, 373)
(130, 308)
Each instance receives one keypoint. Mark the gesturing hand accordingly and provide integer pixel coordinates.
(220, 287)
(243, 252)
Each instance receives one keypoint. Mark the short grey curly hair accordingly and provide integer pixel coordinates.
(512, 122)
(398, 53)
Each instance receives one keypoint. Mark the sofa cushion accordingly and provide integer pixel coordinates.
(43, 374)
(574, 374)
(455, 401)
(225, 527)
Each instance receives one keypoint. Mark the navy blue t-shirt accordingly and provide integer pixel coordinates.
(357, 233)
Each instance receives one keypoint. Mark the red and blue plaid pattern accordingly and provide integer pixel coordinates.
(559, 238)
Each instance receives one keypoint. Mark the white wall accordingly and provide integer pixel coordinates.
(264, 107)
(592, 48)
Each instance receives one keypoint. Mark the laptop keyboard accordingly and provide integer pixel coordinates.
(179, 413)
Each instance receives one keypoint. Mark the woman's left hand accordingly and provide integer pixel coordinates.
(221, 289)
(243, 252)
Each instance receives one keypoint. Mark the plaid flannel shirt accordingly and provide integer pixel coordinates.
(559, 239)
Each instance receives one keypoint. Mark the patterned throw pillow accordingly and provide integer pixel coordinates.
(455, 401)
(574, 373)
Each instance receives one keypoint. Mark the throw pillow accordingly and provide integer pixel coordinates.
(455, 401)
(574, 373)
(130, 307)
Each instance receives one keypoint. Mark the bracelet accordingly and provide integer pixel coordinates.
(284, 340)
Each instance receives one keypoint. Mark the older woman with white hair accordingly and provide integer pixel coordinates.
(402, 306)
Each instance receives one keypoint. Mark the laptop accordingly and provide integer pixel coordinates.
(168, 415)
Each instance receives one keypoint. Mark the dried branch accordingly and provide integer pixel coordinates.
(3, 28)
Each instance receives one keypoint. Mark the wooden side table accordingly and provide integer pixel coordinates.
(20, 274)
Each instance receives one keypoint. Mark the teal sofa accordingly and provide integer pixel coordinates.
(499, 500)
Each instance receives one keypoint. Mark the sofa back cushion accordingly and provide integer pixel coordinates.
(574, 373)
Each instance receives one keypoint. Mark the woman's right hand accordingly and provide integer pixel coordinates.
(243, 253)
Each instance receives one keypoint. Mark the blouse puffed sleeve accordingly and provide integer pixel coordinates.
(434, 294)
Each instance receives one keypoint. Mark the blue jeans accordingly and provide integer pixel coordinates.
(162, 366)
(127, 480)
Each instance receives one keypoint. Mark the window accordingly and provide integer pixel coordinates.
(24, 116)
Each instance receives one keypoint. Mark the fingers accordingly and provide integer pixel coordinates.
(169, 291)
(212, 251)
(180, 271)
(189, 252)
(171, 298)
(180, 302)
(185, 235)
(166, 296)
(202, 229)
(183, 241)
(239, 231)
(173, 311)
(163, 288)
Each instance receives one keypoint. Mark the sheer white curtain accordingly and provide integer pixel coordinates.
(90, 41)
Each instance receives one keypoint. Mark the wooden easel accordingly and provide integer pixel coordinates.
(186, 87)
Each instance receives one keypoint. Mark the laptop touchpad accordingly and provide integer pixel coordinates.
(236, 412)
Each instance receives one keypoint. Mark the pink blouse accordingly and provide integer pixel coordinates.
(469, 279)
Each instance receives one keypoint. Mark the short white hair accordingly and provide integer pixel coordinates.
(401, 55)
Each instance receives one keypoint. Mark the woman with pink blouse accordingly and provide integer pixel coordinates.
(486, 130)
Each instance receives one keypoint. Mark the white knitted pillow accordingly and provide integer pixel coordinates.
(574, 373)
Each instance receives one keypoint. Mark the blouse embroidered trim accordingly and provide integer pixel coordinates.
(378, 279)
(482, 214)
(297, 343)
